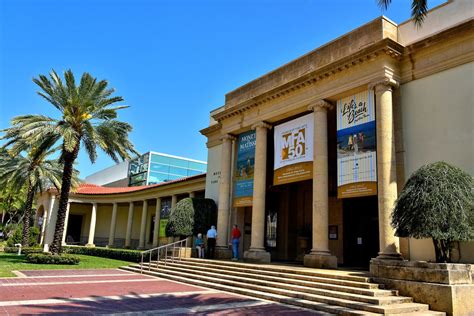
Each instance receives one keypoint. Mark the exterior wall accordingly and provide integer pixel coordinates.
(109, 175)
(438, 125)
(213, 172)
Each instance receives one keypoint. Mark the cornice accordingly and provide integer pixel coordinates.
(261, 124)
(383, 47)
(210, 129)
(320, 105)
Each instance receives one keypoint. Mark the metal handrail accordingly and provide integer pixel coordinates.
(165, 249)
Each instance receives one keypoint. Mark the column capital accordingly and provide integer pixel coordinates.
(383, 84)
(261, 124)
(320, 106)
(227, 137)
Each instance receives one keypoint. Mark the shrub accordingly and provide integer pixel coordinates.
(111, 253)
(24, 251)
(191, 216)
(41, 258)
(437, 202)
(17, 237)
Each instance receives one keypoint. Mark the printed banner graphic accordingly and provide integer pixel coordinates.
(356, 146)
(294, 150)
(243, 175)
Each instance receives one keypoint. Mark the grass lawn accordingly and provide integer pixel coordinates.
(11, 261)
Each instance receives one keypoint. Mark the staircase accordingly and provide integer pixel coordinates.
(331, 291)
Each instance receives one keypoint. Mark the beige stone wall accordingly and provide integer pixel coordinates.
(213, 172)
(438, 125)
(336, 218)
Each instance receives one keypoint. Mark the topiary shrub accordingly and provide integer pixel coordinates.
(111, 253)
(17, 237)
(191, 216)
(437, 202)
(42, 258)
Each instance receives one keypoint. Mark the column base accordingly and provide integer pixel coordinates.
(320, 260)
(257, 256)
(90, 245)
(223, 253)
(389, 256)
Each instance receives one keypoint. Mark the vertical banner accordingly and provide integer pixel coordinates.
(356, 146)
(244, 167)
(294, 150)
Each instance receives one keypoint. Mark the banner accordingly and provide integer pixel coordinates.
(356, 146)
(294, 150)
(243, 175)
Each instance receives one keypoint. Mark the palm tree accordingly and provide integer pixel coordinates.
(88, 118)
(419, 8)
(33, 172)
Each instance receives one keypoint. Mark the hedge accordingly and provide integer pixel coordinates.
(17, 237)
(111, 253)
(24, 251)
(52, 259)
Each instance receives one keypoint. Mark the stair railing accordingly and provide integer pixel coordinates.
(177, 245)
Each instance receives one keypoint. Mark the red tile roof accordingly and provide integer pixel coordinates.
(91, 189)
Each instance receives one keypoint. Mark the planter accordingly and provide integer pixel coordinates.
(445, 287)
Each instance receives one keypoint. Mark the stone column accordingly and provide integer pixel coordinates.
(156, 230)
(128, 234)
(66, 220)
(192, 194)
(174, 201)
(113, 223)
(320, 256)
(90, 241)
(386, 168)
(257, 252)
(141, 242)
(223, 208)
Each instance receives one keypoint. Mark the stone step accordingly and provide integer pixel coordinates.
(293, 276)
(356, 276)
(318, 306)
(350, 304)
(357, 294)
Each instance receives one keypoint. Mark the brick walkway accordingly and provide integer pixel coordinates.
(112, 291)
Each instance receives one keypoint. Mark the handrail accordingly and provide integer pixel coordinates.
(164, 248)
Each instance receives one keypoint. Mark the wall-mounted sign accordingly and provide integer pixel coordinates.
(294, 150)
(356, 146)
(244, 168)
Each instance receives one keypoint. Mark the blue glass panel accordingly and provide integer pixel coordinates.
(178, 162)
(178, 171)
(193, 172)
(197, 166)
(160, 159)
(159, 167)
(157, 177)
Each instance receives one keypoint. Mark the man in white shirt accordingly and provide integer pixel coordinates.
(211, 241)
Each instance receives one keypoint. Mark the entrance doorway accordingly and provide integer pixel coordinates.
(74, 227)
(361, 231)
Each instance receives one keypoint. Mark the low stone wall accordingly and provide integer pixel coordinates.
(446, 287)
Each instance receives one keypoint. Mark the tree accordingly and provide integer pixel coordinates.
(419, 8)
(87, 117)
(33, 172)
(191, 216)
(437, 202)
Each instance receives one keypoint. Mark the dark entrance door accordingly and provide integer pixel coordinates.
(73, 235)
(361, 232)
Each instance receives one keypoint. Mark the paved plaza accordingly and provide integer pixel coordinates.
(113, 291)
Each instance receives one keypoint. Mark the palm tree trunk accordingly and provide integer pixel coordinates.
(69, 158)
(26, 216)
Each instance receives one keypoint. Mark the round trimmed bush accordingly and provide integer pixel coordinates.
(41, 258)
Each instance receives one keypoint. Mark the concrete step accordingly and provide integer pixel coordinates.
(404, 305)
(247, 268)
(318, 306)
(280, 283)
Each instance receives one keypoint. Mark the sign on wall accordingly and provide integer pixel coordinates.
(244, 169)
(356, 146)
(294, 150)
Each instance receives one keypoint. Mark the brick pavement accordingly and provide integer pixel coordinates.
(112, 291)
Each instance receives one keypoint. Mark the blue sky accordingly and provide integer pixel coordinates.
(173, 61)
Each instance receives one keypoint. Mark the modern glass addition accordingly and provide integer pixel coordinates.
(153, 168)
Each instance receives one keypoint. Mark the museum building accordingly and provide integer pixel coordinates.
(310, 157)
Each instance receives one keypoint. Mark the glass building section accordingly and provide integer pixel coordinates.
(152, 168)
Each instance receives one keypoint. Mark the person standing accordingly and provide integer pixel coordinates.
(211, 241)
(235, 242)
(199, 244)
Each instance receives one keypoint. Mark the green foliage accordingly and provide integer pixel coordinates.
(41, 258)
(111, 253)
(437, 202)
(17, 237)
(24, 251)
(191, 216)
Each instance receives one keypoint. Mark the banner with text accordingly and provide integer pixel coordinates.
(356, 146)
(243, 175)
(294, 150)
